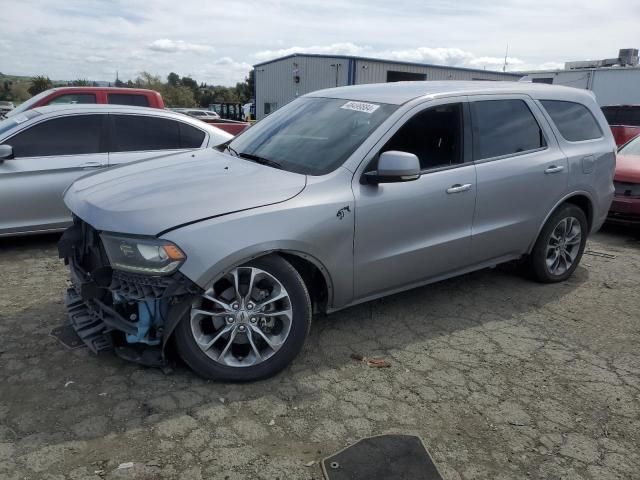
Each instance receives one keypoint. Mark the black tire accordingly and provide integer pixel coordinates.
(301, 323)
(537, 264)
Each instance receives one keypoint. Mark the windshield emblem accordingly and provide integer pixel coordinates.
(342, 211)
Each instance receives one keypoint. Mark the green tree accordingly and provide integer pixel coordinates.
(179, 96)
(39, 84)
(173, 79)
(19, 92)
(244, 90)
(81, 82)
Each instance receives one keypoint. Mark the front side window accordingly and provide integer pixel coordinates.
(433, 135)
(72, 135)
(73, 98)
(128, 99)
(574, 121)
(138, 133)
(504, 127)
(311, 135)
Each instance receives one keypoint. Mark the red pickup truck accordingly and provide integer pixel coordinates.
(624, 121)
(138, 97)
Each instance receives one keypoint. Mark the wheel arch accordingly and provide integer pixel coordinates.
(581, 199)
(315, 275)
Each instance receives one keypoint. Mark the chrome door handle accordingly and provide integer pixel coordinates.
(554, 169)
(91, 165)
(457, 188)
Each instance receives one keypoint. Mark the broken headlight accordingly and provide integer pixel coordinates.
(149, 256)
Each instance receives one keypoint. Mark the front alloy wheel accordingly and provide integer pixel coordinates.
(249, 324)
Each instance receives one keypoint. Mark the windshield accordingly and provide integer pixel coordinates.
(28, 104)
(631, 148)
(312, 136)
(9, 123)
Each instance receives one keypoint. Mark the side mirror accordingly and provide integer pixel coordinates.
(394, 166)
(6, 152)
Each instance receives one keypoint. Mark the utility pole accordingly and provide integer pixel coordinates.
(504, 67)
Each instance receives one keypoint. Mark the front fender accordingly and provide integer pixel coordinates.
(308, 225)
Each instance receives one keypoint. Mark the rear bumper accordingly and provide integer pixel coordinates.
(625, 210)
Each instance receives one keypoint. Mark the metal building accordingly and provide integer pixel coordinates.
(614, 81)
(279, 81)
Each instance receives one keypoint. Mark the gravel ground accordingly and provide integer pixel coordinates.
(501, 377)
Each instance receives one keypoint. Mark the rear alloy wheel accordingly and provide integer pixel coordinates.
(249, 324)
(560, 245)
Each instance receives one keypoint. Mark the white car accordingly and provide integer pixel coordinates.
(43, 150)
(198, 113)
(6, 107)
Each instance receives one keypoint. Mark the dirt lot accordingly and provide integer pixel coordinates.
(501, 377)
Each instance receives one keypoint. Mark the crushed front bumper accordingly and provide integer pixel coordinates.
(132, 314)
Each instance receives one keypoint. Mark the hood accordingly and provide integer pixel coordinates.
(151, 196)
(627, 169)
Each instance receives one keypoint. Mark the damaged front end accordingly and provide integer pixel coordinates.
(113, 307)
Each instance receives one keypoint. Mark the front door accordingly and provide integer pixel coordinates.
(49, 156)
(407, 233)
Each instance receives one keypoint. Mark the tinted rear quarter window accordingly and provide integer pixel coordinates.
(73, 98)
(128, 99)
(190, 137)
(504, 127)
(574, 121)
(72, 135)
(138, 132)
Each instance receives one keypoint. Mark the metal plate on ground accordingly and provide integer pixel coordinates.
(385, 457)
(67, 336)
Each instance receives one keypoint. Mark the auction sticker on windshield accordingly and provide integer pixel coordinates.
(361, 107)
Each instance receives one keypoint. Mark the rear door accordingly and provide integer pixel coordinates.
(522, 174)
(49, 156)
(136, 137)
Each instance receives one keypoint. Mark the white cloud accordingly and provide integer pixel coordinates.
(217, 41)
(175, 46)
(333, 49)
(454, 57)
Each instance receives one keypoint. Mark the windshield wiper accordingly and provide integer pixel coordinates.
(259, 159)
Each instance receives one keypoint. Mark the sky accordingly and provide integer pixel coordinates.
(217, 41)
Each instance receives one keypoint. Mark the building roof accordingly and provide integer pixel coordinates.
(382, 60)
(398, 93)
(579, 70)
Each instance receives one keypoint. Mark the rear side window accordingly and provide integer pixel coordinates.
(574, 121)
(73, 135)
(190, 137)
(73, 98)
(128, 99)
(504, 127)
(137, 132)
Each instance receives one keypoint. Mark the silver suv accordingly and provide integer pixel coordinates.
(340, 197)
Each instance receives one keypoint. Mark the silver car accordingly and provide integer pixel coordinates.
(340, 197)
(42, 151)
